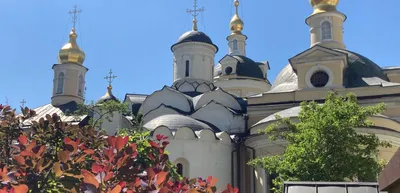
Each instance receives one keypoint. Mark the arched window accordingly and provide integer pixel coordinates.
(235, 44)
(179, 169)
(80, 86)
(187, 69)
(60, 83)
(326, 30)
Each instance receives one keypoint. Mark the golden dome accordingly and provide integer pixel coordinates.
(70, 52)
(324, 5)
(236, 23)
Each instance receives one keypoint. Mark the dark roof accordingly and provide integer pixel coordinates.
(330, 187)
(359, 68)
(195, 36)
(247, 67)
(359, 72)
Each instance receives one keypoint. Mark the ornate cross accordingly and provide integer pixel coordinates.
(6, 101)
(195, 12)
(110, 78)
(75, 14)
(23, 103)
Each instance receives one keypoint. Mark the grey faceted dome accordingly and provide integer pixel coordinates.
(358, 69)
(195, 36)
(174, 122)
(107, 97)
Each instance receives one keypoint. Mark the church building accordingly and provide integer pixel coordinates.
(217, 105)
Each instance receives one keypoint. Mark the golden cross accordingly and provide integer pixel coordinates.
(23, 103)
(195, 12)
(110, 78)
(75, 13)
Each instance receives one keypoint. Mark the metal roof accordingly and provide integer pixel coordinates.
(331, 187)
(49, 109)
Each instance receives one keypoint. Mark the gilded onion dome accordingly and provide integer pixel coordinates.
(70, 53)
(324, 5)
(236, 23)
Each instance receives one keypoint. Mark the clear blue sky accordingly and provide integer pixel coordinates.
(134, 38)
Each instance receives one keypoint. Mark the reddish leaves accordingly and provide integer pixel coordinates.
(89, 178)
(20, 160)
(23, 139)
(20, 189)
(110, 164)
(97, 168)
(161, 177)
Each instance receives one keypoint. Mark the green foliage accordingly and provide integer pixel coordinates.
(323, 145)
(104, 111)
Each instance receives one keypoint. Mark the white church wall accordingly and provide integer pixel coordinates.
(200, 57)
(201, 153)
(110, 123)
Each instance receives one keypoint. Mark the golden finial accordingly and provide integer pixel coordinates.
(236, 23)
(110, 79)
(324, 5)
(195, 12)
(70, 53)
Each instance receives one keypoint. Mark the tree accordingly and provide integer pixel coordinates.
(323, 145)
(59, 157)
(103, 111)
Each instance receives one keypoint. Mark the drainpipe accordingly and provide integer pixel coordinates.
(233, 168)
(254, 175)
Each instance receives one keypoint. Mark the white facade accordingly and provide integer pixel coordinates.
(201, 153)
(194, 60)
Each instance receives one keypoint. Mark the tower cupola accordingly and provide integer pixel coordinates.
(69, 73)
(326, 24)
(70, 53)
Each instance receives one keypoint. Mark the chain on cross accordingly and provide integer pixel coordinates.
(110, 78)
(75, 14)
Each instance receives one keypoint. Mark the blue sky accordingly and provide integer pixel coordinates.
(134, 38)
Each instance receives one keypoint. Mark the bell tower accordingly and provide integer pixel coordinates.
(69, 73)
(326, 24)
(236, 40)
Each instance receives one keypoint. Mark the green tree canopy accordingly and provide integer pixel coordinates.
(323, 144)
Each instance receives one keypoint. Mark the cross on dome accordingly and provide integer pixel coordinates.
(75, 14)
(110, 78)
(195, 12)
(23, 102)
